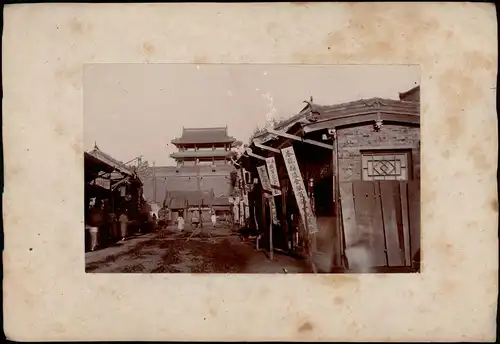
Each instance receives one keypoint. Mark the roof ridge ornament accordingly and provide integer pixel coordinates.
(313, 115)
(377, 126)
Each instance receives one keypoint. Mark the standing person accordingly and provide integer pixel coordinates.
(123, 224)
(162, 217)
(180, 222)
(168, 219)
(154, 222)
(95, 221)
(213, 217)
(236, 212)
(201, 217)
(195, 219)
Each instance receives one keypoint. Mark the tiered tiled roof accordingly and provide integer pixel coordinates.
(217, 153)
(203, 136)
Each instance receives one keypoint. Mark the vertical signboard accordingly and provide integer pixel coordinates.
(266, 185)
(264, 178)
(273, 176)
(299, 189)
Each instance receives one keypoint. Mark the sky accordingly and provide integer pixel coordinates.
(137, 109)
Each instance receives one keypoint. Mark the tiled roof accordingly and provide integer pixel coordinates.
(411, 95)
(204, 135)
(108, 159)
(202, 154)
(178, 199)
(314, 112)
(220, 201)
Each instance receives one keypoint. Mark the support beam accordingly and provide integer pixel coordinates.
(261, 146)
(249, 152)
(298, 138)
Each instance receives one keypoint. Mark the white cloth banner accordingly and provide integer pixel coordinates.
(266, 185)
(273, 176)
(264, 178)
(299, 190)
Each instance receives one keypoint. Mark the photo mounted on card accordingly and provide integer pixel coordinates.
(252, 168)
(260, 172)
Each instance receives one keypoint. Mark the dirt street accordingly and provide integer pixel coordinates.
(169, 251)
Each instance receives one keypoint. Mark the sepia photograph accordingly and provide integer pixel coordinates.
(251, 168)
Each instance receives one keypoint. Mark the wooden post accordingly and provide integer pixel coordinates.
(270, 232)
(336, 259)
(284, 218)
(154, 182)
(308, 240)
(263, 211)
(339, 209)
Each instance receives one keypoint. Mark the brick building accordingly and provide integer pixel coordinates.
(201, 165)
(368, 150)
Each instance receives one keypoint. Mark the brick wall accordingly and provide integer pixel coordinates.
(352, 140)
(188, 179)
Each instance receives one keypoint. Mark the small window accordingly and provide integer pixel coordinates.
(385, 165)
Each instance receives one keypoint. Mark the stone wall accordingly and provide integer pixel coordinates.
(188, 179)
(355, 139)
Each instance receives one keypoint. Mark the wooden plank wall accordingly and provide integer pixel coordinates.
(383, 216)
(414, 216)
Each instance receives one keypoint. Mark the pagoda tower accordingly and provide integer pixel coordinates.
(202, 147)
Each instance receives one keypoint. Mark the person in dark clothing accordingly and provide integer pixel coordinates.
(94, 222)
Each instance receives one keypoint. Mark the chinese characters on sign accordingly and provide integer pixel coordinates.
(264, 178)
(273, 176)
(299, 190)
(266, 185)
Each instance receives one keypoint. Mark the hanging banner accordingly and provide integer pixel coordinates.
(299, 190)
(264, 178)
(102, 182)
(266, 185)
(273, 176)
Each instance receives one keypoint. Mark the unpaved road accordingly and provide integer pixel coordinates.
(169, 251)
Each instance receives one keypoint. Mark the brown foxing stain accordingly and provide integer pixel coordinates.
(69, 73)
(148, 48)
(353, 326)
(200, 59)
(494, 205)
(423, 310)
(454, 127)
(446, 154)
(76, 26)
(212, 312)
(368, 29)
(338, 281)
(461, 92)
(428, 195)
(271, 28)
(476, 60)
(453, 255)
(479, 159)
(447, 286)
(338, 300)
(75, 146)
(264, 292)
(305, 327)
(59, 328)
(59, 129)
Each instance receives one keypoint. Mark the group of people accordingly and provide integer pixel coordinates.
(105, 227)
(196, 219)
